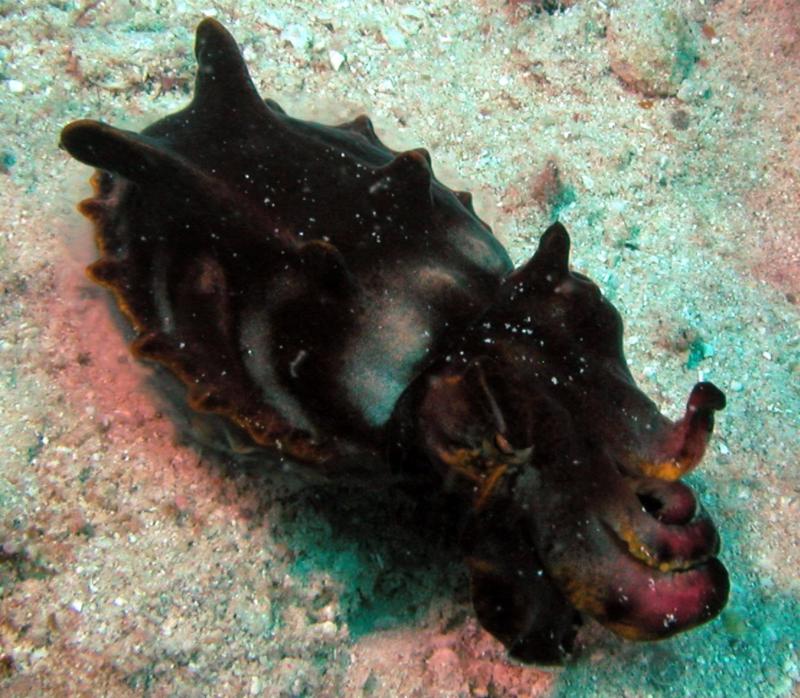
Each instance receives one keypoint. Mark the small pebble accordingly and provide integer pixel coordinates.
(15, 86)
(336, 59)
(680, 119)
(393, 38)
(10, 547)
(274, 20)
(298, 35)
(325, 630)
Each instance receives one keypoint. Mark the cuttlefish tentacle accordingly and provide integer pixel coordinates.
(680, 448)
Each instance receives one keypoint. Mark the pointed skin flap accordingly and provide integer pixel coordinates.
(223, 81)
(552, 255)
(129, 154)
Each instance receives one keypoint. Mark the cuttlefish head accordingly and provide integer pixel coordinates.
(572, 473)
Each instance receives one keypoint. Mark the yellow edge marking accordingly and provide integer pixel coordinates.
(489, 485)
(667, 470)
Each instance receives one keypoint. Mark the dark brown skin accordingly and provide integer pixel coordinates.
(537, 420)
(327, 299)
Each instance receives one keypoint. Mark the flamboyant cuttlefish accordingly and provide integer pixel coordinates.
(327, 299)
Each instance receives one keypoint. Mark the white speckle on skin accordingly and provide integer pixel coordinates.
(301, 356)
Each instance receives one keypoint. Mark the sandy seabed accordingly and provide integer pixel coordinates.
(664, 135)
